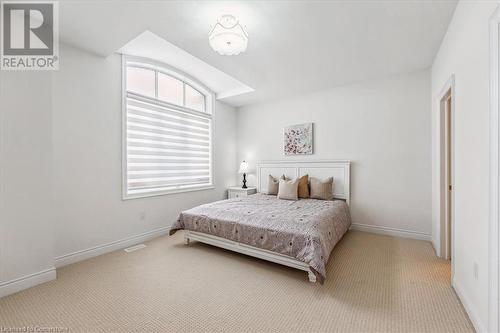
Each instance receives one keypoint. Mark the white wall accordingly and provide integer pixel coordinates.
(87, 159)
(465, 53)
(26, 233)
(382, 126)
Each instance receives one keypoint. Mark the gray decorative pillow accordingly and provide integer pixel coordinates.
(288, 189)
(322, 190)
(273, 184)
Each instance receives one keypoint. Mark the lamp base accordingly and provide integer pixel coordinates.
(244, 181)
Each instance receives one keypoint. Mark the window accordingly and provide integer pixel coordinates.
(167, 131)
(194, 99)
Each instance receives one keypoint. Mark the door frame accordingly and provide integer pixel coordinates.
(494, 249)
(449, 165)
(448, 89)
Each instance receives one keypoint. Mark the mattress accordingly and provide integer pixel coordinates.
(307, 229)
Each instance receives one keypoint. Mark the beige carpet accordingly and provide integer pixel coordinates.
(374, 283)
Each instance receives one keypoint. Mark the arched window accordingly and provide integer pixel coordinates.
(167, 130)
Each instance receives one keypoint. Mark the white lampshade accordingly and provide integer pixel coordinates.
(243, 167)
(228, 36)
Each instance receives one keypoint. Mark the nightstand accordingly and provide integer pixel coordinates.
(238, 192)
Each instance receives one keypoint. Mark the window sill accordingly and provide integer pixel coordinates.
(166, 192)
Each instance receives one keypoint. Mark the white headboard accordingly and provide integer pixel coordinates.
(339, 170)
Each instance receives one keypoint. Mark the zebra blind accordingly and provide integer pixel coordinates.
(168, 147)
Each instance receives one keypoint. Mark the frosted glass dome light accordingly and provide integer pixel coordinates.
(228, 37)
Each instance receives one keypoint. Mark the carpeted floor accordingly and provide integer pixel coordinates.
(374, 283)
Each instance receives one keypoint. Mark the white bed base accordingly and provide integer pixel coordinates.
(249, 250)
(339, 170)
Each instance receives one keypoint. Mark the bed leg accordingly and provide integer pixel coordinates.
(186, 239)
(312, 277)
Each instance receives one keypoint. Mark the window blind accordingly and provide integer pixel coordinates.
(168, 147)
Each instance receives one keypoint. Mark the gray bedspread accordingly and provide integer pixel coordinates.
(306, 230)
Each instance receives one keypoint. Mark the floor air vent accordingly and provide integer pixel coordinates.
(135, 248)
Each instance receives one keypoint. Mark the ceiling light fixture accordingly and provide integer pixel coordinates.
(228, 37)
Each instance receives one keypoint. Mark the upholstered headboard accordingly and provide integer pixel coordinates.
(339, 170)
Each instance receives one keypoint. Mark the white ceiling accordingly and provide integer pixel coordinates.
(294, 46)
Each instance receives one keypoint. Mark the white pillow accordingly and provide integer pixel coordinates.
(288, 189)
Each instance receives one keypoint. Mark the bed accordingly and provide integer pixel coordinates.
(300, 234)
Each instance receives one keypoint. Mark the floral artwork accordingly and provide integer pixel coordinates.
(298, 139)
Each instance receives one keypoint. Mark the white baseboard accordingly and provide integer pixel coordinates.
(435, 247)
(71, 258)
(473, 316)
(391, 231)
(27, 281)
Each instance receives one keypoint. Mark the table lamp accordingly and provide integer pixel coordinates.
(244, 169)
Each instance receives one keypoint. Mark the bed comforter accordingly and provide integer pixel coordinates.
(306, 230)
